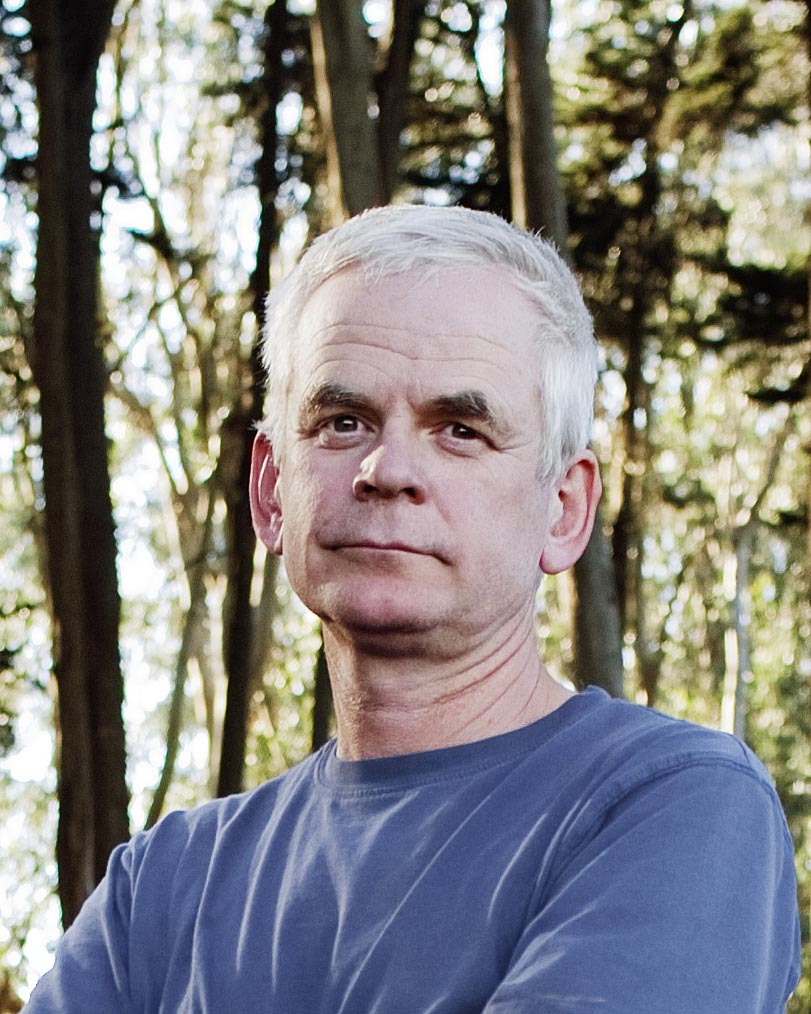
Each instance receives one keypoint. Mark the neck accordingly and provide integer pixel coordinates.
(389, 703)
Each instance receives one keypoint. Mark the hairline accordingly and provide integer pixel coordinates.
(523, 267)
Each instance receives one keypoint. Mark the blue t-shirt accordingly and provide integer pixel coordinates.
(605, 858)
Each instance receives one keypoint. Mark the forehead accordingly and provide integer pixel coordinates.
(453, 326)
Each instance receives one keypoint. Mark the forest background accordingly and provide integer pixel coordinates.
(163, 163)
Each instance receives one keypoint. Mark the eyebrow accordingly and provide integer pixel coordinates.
(471, 405)
(329, 395)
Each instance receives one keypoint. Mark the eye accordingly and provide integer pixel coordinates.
(340, 431)
(344, 424)
(461, 432)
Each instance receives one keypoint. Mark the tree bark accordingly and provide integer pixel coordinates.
(392, 89)
(343, 77)
(645, 271)
(69, 370)
(538, 204)
(239, 619)
(537, 195)
(598, 640)
(807, 368)
(322, 701)
(737, 640)
(195, 616)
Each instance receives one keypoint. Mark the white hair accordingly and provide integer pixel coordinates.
(398, 239)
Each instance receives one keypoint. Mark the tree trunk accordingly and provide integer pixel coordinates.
(239, 620)
(598, 641)
(538, 204)
(807, 368)
(392, 89)
(737, 641)
(537, 196)
(627, 535)
(343, 77)
(322, 701)
(195, 566)
(69, 370)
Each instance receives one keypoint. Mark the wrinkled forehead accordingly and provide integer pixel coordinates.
(419, 337)
(482, 302)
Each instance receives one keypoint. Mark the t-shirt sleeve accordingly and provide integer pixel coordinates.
(91, 972)
(679, 896)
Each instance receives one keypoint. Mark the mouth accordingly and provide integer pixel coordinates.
(381, 547)
(384, 547)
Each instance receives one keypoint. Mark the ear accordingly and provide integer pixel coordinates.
(573, 506)
(266, 508)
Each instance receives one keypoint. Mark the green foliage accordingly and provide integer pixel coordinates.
(454, 140)
(680, 164)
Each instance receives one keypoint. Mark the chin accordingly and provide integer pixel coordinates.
(404, 640)
(379, 620)
(377, 612)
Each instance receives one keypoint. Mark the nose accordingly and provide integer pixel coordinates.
(388, 472)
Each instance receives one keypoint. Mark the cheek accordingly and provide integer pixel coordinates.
(310, 496)
(519, 527)
(300, 506)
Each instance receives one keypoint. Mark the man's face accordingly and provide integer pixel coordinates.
(409, 487)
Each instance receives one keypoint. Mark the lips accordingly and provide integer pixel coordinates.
(384, 546)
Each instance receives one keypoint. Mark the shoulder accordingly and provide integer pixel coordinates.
(157, 882)
(636, 741)
(668, 840)
(633, 759)
(654, 789)
(188, 838)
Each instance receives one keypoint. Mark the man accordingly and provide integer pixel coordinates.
(477, 838)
